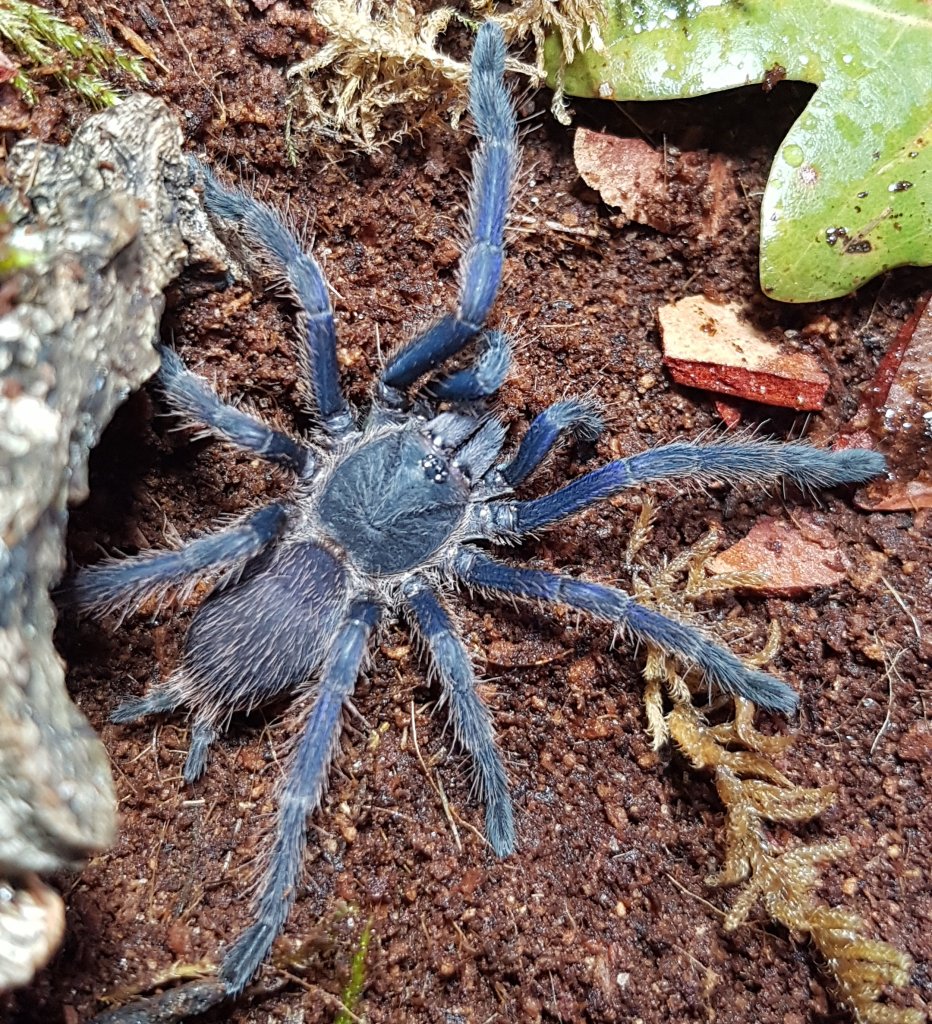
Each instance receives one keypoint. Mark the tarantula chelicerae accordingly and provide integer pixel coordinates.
(385, 515)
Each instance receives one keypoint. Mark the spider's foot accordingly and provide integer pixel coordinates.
(500, 826)
(202, 735)
(245, 956)
(158, 702)
(764, 690)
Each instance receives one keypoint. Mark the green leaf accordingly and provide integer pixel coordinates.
(850, 190)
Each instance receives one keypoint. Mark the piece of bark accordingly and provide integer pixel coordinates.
(110, 221)
(793, 559)
(707, 345)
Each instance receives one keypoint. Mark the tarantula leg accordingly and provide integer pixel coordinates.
(125, 583)
(190, 395)
(576, 415)
(472, 723)
(300, 795)
(480, 270)
(480, 380)
(720, 667)
(730, 462)
(280, 254)
(160, 700)
(203, 733)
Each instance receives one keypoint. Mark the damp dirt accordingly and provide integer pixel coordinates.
(603, 914)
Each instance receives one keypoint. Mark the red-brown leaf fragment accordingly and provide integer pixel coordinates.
(690, 193)
(8, 68)
(897, 496)
(793, 558)
(627, 173)
(707, 346)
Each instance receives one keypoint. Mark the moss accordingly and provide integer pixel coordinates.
(381, 73)
(357, 979)
(49, 46)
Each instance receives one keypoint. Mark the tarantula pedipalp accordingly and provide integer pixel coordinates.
(384, 515)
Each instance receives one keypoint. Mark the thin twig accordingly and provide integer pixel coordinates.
(901, 601)
(890, 665)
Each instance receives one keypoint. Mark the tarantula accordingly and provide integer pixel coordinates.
(385, 515)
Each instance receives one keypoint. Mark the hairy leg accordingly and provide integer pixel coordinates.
(125, 583)
(730, 462)
(720, 667)
(191, 397)
(300, 795)
(472, 723)
(480, 269)
(160, 700)
(479, 380)
(164, 699)
(279, 253)
(573, 415)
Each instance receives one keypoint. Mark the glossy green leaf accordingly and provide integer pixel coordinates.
(850, 190)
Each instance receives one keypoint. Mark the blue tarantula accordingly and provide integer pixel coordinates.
(385, 515)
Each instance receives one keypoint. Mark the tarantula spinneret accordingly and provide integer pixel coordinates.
(385, 514)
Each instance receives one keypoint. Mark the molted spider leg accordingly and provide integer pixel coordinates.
(300, 796)
(576, 415)
(281, 255)
(480, 270)
(730, 462)
(718, 665)
(480, 380)
(125, 583)
(472, 723)
(192, 397)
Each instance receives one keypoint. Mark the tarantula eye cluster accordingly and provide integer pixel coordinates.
(389, 509)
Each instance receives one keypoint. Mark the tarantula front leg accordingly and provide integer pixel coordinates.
(301, 793)
(123, 584)
(480, 270)
(720, 667)
(278, 252)
(191, 397)
(472, 723)
(728, 461)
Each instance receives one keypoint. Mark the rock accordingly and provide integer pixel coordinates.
(109, 221)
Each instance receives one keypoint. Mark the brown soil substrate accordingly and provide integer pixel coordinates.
(603, 914)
